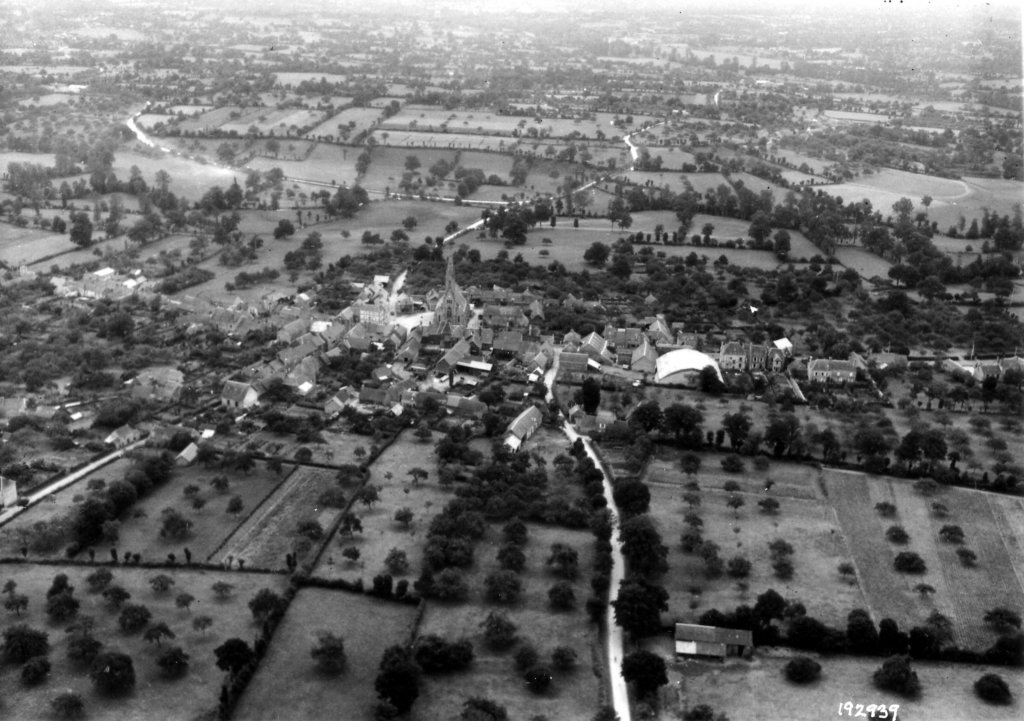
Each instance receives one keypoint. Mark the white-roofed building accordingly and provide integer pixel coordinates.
(683, 367)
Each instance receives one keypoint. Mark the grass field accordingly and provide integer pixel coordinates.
(866, 263)
(288, 686)
(804, 519)
(27, 245)
(758, 691)
(701, 182)
(963, 594)
(193, 696)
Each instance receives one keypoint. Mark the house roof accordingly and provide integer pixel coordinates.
(235, 391)
(713, 634)
(685, 359)
(526, 423)
(826, 365)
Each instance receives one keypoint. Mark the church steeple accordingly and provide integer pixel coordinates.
(449, 273)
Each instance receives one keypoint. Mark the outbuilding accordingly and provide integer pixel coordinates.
(693, 640)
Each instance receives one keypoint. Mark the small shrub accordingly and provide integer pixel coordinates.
(803, 670)
(991, 688)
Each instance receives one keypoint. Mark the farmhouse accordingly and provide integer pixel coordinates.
(237, 394)
(524, 426)
(693, 640)
(123, 436)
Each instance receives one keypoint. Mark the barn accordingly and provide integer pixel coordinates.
(693, 640)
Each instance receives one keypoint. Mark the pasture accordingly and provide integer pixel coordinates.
(804, 519)
(194, 695)
(866, 263)
(189, 179)
(24, 246)
(451, 141)
(758, 690)
(354, 120)
(288, 684)
(677, 182)
(963, 594)
(335, 164)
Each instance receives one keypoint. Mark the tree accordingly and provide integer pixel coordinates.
(596, 255)
(499, 631)
(404, 516)
(161, 583)
(265, 604)
(477, 708)
(116, 596)
(202, 623)
(861, 633)
(62, 606)
(284, 229)
(16, 602)
(68, 705)
(951, 534)
(502, 586)
(99, 579)
(134, 617)
(738, 567)
(968, 558)
(399, 678)
(1002, 620)
(781, 244)
(351, 554)
(329, 654)
(885, 509)
(397, 561)
(896, 675)
(736, 502)
(436, 655)
(158, 632)
(992, 688)
(802, 670)
(22, 642)
(563, 658)
(897, 534)
(737, 426)
(184, 600)
(235, 505)
(645, 554)
(222, 590)
(909, 562)
(173, 662)
(561, 596)
(81, 230)
(563, 560)
(769, 506)
(113, 673)
(639, 605)
(233, 655)
(412, 162)
(591, 395)
(645, 670)
(690, 463)
(924, 590)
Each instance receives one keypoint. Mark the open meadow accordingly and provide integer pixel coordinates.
(288, 686)
(192, 696)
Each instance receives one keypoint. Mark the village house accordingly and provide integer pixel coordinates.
(695, 641)
(524, 426)
(123, 436)
(238, 395)
(830, 370)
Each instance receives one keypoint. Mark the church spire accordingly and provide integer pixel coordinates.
(449, 273)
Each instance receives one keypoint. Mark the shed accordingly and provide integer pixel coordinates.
(188, 456)
(696, 640)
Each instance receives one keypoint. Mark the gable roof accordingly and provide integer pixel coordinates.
(235, 391)
(713, 634)
(526, 423)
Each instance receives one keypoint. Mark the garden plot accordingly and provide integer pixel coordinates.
(269, 533)
(192, 696)
(288, 685)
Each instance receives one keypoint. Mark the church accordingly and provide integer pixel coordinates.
(453, 311)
